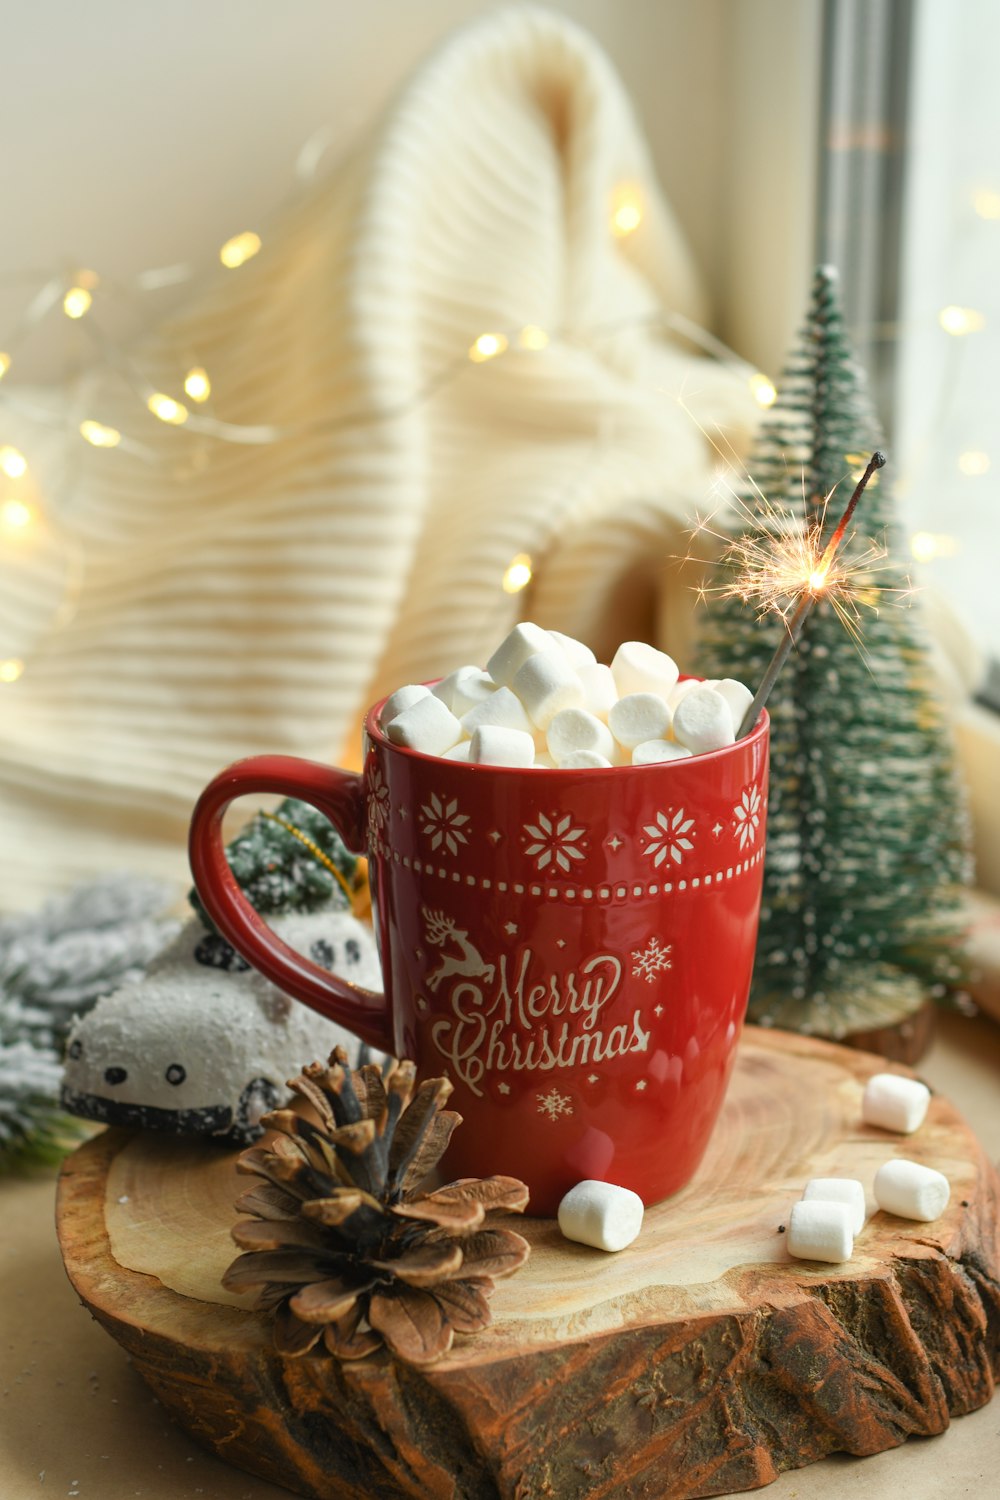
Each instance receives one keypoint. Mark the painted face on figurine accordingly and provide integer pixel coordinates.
(203, 1044)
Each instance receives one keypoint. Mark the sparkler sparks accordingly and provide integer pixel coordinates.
(781, 557)
(785, 557)
(816, 583)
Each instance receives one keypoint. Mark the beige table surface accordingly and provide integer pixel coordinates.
(76, 1420)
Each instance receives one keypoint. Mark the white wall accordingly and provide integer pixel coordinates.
(138, 135)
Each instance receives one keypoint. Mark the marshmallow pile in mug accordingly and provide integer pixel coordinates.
(544, 700)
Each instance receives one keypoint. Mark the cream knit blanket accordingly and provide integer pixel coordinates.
(238, 598)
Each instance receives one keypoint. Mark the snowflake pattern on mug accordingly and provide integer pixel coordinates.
(554, 1104)
(444, 824)
(670, 837)
(649, 962)
(554, 841)
(378, 806)
(746, 816)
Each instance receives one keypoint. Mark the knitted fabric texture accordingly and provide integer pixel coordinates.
(239, 598)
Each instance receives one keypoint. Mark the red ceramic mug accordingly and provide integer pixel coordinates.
(573, 948)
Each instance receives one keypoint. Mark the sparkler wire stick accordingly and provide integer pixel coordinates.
(812, 590)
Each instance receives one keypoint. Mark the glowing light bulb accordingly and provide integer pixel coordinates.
(77, 301)
(241, 248)
(11, 669)
(4, 363)
(960, 320)
(197, 384)
(926, 545)
(626, 211)
(487, 346)
(986, 202)
(974, 462)
(99, 435)
(763, 390)
(532, 337)
(13, 463)
(167, 409)
(856, 463)
(518, 574)
(15, 515)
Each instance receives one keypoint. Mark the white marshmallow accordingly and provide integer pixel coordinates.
(575, 729)
(910, 1190)
(502, 708)
(576, 653)
(737, 695)
(638, 668)
(600, 1214)
(651, 752)
(583, 760)
(445, 689)
(895, 1103)
(839, 1190)
(545, 684)
(638, 717)
(464, 688)
(524, 640)
(458, 752)
(820, 1230)
(703, 721)
(492, 745)
(427, 725)
(600, 691)
(543, 761)
(402, 698)
(689, 685)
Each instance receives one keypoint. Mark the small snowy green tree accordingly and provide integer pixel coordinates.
(867, 840)
(291, 859)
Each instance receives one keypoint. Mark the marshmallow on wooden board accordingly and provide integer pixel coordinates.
(491, 745)
(600, 691)
(575, 729)
(502, 708)
(911, 1191)
(638, 717)
(652, 752)
(703, 721)
(464, 688)
(402, 698)
(737, 695)
(584, 760)
(524, 641)
(427, 725)
(846, 1190)
(458, 752)
(601, 1214)
(545, 684)
(895, 1103)
(576, 653)
(638, 668)
(820, 1230)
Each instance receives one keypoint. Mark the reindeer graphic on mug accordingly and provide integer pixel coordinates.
(438, 930)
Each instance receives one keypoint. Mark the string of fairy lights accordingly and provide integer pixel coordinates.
(77, 296)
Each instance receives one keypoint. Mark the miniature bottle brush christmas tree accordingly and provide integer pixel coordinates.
(867, 842)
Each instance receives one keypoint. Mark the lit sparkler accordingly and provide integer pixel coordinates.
(788, 573)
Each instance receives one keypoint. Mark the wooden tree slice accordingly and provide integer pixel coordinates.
(699, 1361)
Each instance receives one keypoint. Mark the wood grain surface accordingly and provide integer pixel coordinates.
(699, 1361)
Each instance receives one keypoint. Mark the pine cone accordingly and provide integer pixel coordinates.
(343, 1245)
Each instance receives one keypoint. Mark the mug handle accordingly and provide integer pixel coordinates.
(339, 796)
